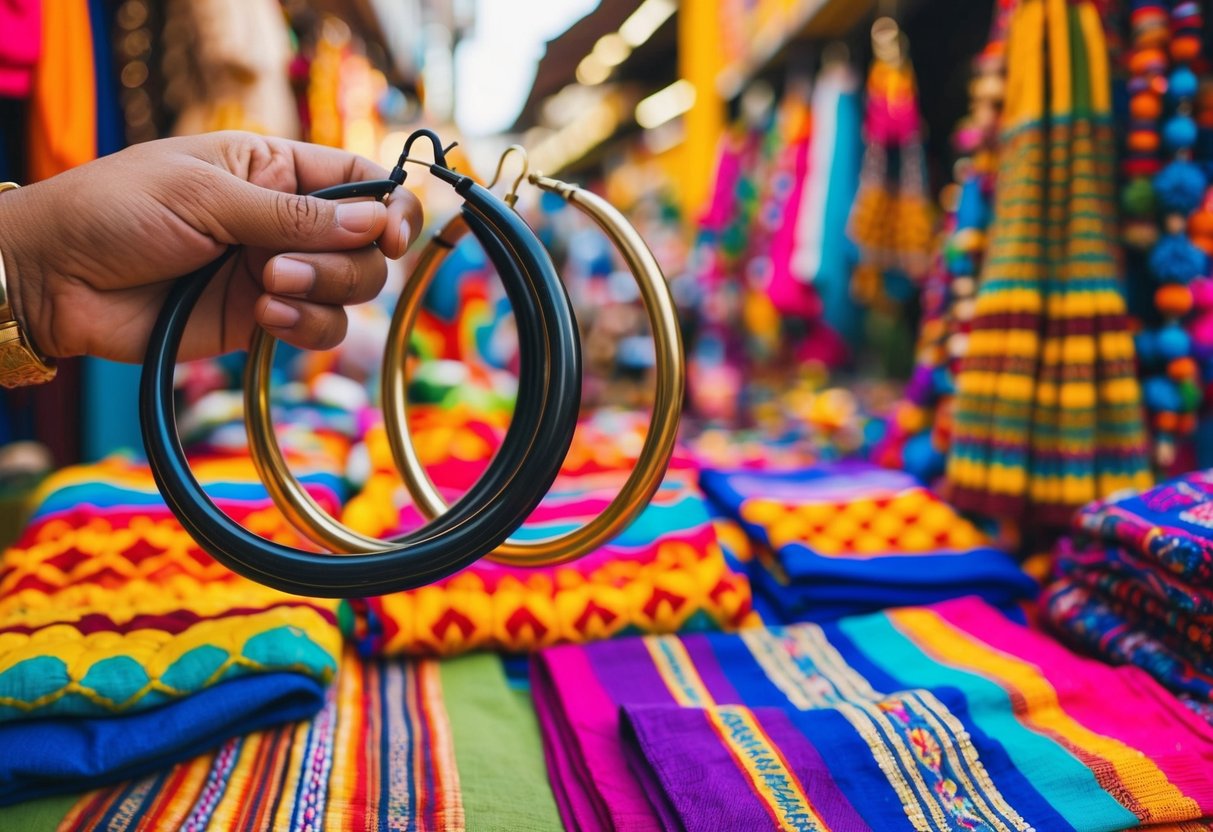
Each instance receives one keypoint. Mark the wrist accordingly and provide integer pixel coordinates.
(23, 280)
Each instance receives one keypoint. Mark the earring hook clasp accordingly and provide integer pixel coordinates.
(440, 152)
(512, 197)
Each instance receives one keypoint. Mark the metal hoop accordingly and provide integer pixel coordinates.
(509, 491)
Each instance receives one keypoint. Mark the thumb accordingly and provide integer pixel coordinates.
(263, 218)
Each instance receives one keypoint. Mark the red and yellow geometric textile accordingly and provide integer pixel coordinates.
(108, 606)
(664, 573)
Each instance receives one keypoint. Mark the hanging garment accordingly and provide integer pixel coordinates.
(772, 243)
(20, 46)
(823, 254)
(232, 70)
(1048, 410)
(63, 100)
(942, 717)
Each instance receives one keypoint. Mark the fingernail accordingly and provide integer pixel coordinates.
(406, 233)
(358, 217)
(279, 315)
(292, 277)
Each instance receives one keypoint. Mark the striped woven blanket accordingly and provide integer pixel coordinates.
(949, 717)
(397, 744)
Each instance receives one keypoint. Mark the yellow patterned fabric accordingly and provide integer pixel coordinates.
(108, 606)
(907, 521)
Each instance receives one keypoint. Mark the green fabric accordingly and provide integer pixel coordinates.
(497, 747)
(42, 815)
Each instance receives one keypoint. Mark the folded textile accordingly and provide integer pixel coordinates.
(1177, 655)
(55, 756)
(1135, 584)
(107, 606)
(398, 745)
(1188, 628)
(1170, 525)
(665, 572)
(950, 717)
(1109, 566)
(847, 538)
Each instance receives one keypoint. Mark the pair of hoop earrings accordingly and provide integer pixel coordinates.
(532, 451)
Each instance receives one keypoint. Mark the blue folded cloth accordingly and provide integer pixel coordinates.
(850, 538)
(41, 757)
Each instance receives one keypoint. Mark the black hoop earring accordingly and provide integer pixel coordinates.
(517, 479)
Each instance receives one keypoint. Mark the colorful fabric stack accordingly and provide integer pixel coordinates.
(950, 717)
(1048, 409)
(1135, 585)
(664, 573)
(850, 538)
(125, 648)
(397, 745)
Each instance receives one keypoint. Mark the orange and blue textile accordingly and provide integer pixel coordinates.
(937, 718)
(846, 538)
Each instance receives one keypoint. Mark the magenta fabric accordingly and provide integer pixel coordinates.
(20, 45)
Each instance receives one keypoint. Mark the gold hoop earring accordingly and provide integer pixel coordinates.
(539, 434)
(658, 447)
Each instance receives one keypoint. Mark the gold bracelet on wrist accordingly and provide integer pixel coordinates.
(20, 362)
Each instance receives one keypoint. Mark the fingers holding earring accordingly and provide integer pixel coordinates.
(404, 222)
(342, 278)
(309, 326)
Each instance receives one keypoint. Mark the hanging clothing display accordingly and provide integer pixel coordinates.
(230, 68)
(1047, 415)
(906, 568)
(20, 46)
(919, 430)
(823, 255)
(892, 220)
(63, 98)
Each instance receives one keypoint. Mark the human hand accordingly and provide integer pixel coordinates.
(92, 253)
